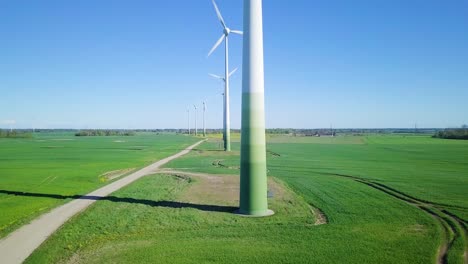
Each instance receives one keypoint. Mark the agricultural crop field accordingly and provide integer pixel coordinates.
(345, 199)
(49, 169)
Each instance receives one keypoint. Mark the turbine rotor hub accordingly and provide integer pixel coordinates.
(227, 31)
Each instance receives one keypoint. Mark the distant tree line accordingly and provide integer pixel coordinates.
(347, 131)
(316, 132)
(297, 132)
(453, 133)
(302, 132)
(103, 132)
(14, 134)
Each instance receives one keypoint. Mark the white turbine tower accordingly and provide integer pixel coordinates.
(253, 171)
(225, 37)
(188, 120)
(196, 130)
(224, 100)
(204, 127)
(11, 123)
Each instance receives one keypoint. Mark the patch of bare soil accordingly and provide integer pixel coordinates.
(209, 188)
(320, 217)
(110, 175)
(219, 164)
(223, 190)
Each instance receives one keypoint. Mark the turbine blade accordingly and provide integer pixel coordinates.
(233, 71)
(215, 76)
(238, 32)
(216, 44)
(220, 17)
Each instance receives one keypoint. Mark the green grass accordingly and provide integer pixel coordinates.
(430, 169)
(62, 164)
(425, 168)
(137, 233)
(365, 224)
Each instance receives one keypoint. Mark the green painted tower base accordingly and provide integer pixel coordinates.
(253, 170)
(267, 213)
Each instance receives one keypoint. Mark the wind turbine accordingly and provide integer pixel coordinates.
(204, 127)
(224, 103)
(253, 171)
(11, 123)
(222, 78)
(196, 130)
(188, 120)
(225, 37)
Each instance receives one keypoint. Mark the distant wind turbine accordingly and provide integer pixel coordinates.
(196, 130)
(11, 123)
(188, 120)
(224, 101)
(225, 37)
(204, 127)
(222, 78)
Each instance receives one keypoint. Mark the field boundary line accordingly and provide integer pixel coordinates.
(21, 243)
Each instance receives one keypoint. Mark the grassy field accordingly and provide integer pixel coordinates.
(60, 164)
(386, 199)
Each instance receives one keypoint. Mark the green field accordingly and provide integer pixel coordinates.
(386, 199)
(50, 167)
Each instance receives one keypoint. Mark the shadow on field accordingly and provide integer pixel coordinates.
(167, 204)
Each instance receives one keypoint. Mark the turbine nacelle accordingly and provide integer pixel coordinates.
(222, 78)
(226, 31)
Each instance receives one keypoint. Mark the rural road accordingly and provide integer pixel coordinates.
(17, 246)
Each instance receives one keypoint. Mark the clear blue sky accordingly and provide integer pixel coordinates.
(140, 64)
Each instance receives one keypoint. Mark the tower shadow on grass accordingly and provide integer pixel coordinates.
(166, 204)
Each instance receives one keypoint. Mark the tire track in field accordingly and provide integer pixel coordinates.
(464, 224)
(454, 228)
